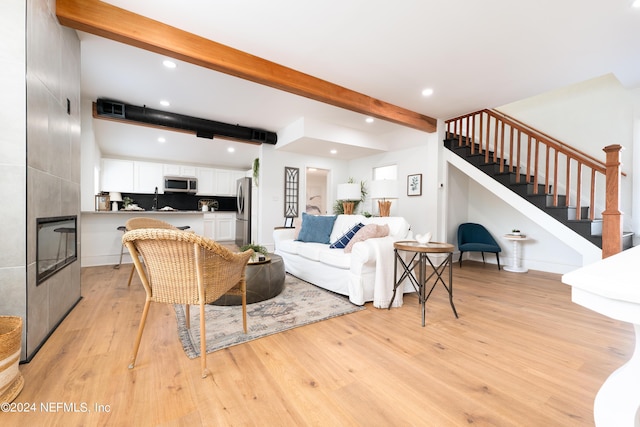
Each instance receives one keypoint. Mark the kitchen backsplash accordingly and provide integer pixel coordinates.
(180, 201)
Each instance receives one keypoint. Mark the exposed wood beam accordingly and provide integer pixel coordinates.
(105, 20)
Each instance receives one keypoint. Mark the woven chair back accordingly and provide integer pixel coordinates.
(174, 258)
(142, 222)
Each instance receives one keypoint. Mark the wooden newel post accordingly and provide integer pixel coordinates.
(612, 217)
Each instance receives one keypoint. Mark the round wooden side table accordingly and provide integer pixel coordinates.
(421, 252)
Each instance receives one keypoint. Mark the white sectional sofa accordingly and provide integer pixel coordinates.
(365, 274)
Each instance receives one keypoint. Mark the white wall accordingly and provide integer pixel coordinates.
(90, 155)
(420, 211)
(271, 186)
(635, 203)
(543, 251)
(589, 116)
(13, 167)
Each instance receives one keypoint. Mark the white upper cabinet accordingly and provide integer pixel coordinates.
(147, 177)
(117, 175)
(206, 181)
(224, 186)
(179, 170)
(226, 181)
(132, 176)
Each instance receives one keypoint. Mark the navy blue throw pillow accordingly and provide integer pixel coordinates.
(343, 240)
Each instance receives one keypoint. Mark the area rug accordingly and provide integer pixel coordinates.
(300, 303)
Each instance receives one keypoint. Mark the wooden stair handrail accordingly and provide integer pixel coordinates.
(612, 217)
(479, 139)
(552, 141)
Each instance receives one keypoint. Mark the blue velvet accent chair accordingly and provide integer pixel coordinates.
(475, 238)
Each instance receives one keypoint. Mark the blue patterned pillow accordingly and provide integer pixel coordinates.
(342, 242)
(316, 228)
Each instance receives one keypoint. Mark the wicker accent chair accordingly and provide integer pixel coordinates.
(142, 222)
(184, 268)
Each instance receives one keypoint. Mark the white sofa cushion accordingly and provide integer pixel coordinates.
(322, 253)
(312, 250)
(289, 246)
(336, 258)
(398, 226)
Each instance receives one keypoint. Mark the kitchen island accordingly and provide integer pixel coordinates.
(101, 241)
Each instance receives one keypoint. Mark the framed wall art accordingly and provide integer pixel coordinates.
(414, 185)
(291, 189)
(102, 202)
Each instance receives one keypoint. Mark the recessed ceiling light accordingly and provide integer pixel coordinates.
(427, 92)
(231, 150)
(334, 151)
(161, 139)
(369, 120)
(169, 64)
(164, 103)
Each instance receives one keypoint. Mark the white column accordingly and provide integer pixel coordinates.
(610, 287)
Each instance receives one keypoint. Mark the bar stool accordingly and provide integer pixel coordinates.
(123, 229)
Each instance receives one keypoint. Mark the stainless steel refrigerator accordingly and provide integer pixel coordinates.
(243, 214)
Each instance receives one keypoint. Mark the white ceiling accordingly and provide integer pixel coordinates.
(474, 54)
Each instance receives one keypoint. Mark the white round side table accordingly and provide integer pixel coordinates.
(516, 267)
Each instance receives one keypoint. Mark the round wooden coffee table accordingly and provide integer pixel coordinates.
(265, 280)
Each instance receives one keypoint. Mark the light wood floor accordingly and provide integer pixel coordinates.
(521, 354)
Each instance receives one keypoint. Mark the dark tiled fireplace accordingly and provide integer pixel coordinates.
(56, 245)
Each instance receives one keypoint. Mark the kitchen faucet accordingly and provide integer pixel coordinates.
(155, 201)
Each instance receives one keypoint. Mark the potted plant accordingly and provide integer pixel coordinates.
(260, 253)
(515, 232)
(126, 201)
(256, 170)
(338, 207)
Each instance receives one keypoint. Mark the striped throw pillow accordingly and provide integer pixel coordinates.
(343, 240)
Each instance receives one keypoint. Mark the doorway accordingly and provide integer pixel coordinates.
(316, 191)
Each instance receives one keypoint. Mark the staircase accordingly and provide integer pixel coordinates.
(527, 162)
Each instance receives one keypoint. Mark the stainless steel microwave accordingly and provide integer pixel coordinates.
(180, 184)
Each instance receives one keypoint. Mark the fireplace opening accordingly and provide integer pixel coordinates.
(56, 245)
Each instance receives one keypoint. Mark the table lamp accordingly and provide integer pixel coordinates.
(115, 198)
(382, 190)
(348, 193)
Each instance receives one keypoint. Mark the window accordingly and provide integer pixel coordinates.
(385, 172)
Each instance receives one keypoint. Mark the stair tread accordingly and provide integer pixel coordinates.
(582, 226)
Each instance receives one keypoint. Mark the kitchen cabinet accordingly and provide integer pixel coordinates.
(220, 227)
(226, 181)
(223, 182)
(147, 177)
(225, 227)
(206, 181)
(209, 226)
(179, 170)
(117, 175)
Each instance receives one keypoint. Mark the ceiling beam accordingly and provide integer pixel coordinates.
(105, 20)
